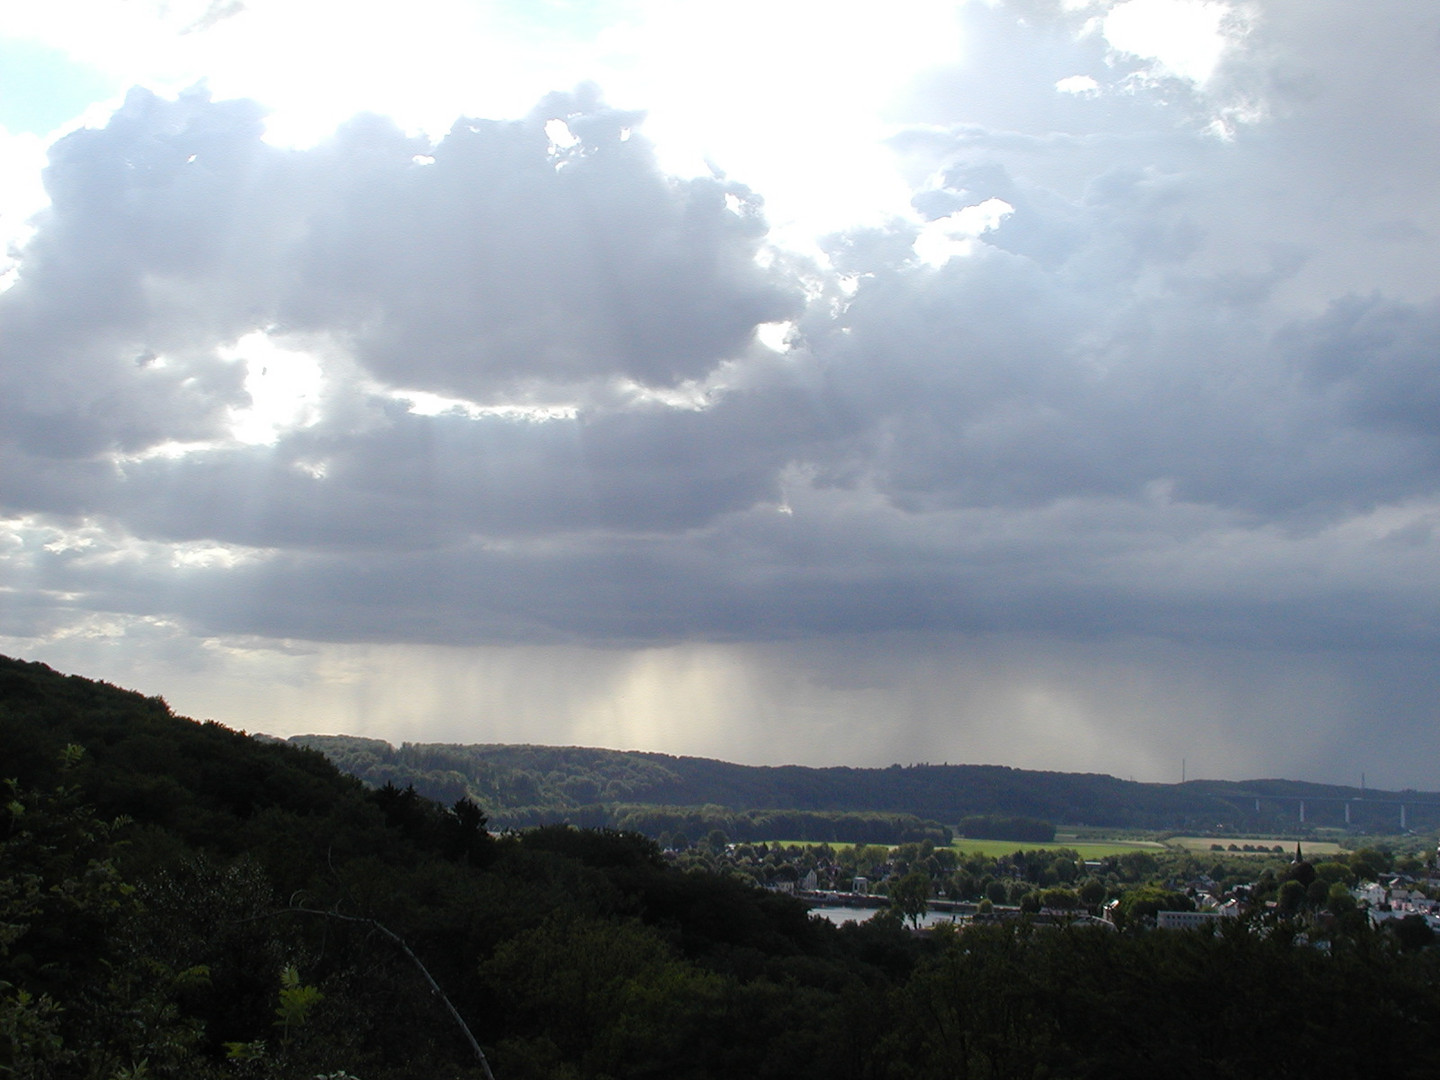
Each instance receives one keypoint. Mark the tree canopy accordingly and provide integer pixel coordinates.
(178, 900)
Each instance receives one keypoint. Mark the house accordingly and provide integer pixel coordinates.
(1186, 920)
(1370, 892)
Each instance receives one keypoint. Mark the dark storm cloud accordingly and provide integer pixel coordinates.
(421, 481)
(1084, 570)
(993, 382)
(1379, 362)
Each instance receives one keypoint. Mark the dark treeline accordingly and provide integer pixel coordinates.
(526, 784)
(996, 827)
(811, 826)
(180, 900)
(605, 789)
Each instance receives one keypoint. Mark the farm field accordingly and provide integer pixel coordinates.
(992, 849)
(1100, 849)
(1311, 848)
(1088, 849)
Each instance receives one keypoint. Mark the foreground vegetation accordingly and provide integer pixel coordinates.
(179, 900)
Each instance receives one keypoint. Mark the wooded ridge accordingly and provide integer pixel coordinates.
(520, 785)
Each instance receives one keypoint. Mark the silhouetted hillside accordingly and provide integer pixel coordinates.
(202, 781)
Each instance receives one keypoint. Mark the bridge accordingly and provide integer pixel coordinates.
(1349, 801)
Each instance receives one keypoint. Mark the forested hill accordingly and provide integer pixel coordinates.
(204, 783)
(181, 901)
(528, 784)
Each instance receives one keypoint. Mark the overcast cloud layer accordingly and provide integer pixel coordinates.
(1120, 443)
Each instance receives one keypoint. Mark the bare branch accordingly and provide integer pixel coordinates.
(424, 971)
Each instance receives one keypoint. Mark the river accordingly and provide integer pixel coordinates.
(839, 915)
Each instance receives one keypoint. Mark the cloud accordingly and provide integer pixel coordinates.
(1085, 374)
(1183, 36)
(1146, 378)
(508, 258)
(1375, 360)
(493, 267)
(501, 259)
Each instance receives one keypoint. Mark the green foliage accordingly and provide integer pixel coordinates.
(1412, 932)
(910, 896)
(748, 826)
(237, 927)
(1139, 906)
(1060, 899)
(1369, 862)
(999, 827)
(79, 995)
(296, 1001)
(1020, 1001)
(1292, 894)
(31, 1041)
(1338, 899)
(1335, 871)
(595, 847)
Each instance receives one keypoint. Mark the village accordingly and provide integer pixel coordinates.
(925, 886)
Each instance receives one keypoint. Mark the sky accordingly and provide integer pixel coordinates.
(1045, 383)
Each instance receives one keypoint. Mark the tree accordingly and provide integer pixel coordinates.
(1142, 904)
(1092, 892)
(1301, 871)
(79, 995)
(1060, 899)
(1412, 932)
(911, 896)
(1339, 900)
(1291, 896)
(464, 836)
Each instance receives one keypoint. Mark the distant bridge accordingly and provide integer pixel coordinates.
(1348, 801)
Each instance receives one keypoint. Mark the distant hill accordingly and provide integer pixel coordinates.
(202, 779)
(521, 785)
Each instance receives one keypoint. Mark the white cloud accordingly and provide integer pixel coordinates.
(1185, 37)
(1079, 85)
(284, 386)
(21, 196)
(953, 235)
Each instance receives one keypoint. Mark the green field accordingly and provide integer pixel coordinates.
(1088, 849)
(1202, 845)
